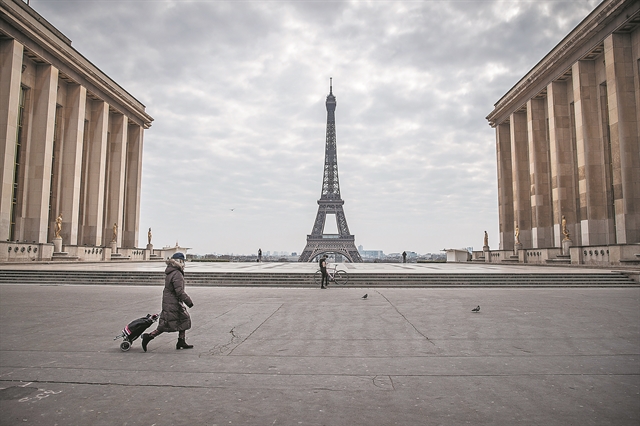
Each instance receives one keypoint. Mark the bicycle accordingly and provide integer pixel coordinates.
(338, 276)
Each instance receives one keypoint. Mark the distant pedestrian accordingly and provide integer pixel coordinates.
(323, 270)
(259, 255)
(404, 257)
(174, 315)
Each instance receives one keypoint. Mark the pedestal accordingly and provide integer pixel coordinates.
(487, 254)
(517, 248)
(114, 247)
(566, 244)
(150, 247)
(57, 245)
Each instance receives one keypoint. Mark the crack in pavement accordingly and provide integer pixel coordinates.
(374, 379)
(220, 349)
(256, 329)
(378, 381)
(405, 318)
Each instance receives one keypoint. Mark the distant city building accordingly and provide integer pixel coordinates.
(411, 254)
(372, 254)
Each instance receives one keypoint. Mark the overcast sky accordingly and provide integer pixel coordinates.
(233, 161)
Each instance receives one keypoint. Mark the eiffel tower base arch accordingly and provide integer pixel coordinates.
(317, 246)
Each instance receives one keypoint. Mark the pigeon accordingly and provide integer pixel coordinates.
(476, 309)
(365, 296)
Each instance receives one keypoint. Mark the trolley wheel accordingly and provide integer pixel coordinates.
(341, 277)
(125, 346)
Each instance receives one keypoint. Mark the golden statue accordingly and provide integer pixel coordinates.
(517, 235)
(115, 233)
(149, 236)
(58, 225)
(486, 239)
(564, 229)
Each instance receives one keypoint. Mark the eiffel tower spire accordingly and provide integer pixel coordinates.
(330, 202)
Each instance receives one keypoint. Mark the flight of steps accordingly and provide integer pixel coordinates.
(239, 279)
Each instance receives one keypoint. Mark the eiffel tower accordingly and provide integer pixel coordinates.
(330, 202)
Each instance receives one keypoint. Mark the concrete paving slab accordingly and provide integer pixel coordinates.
(277, 356)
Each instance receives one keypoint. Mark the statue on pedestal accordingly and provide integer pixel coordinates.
(565, 232)
(149, 236)
(486, 239)
(517, 235)
(58, 225)
(115, 233)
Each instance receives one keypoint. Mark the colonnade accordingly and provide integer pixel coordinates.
(573, 150)
(66, 148)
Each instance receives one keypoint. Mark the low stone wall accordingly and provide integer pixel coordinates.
(606, 255)
(539, 256)
(603, 256)
(32, 252)
(135, 254)
(24, 252)
(89, 254)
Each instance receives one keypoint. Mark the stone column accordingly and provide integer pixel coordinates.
(591, 162)
(10, 73)
(38, 185)
(114, 195)
(563, 182)
(56, 168)
(520, 173)
(623, 124)
(541, 216)
(132, 187)
(505, 186)
(93, 174)
(72, 162)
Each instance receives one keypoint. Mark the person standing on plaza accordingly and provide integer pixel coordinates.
(259, 255)
(174, 315)
(323, 270)
(404, 257)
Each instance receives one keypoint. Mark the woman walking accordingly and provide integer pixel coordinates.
(174, 316)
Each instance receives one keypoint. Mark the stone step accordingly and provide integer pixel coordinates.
(308, 279)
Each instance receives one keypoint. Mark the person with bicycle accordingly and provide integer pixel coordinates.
(323, 269)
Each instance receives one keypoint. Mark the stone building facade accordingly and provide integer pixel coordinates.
(567, 141)
(70, 144)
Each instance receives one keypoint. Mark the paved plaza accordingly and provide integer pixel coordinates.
(278, 356)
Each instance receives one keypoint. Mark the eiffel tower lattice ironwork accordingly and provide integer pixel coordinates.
(330, 202)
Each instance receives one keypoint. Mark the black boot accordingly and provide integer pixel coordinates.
(182, 344)
(146, 338)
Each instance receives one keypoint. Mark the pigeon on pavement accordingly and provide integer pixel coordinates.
(365, 296)
(476, 309)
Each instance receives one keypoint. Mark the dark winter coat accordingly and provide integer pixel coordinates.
(174, 316)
